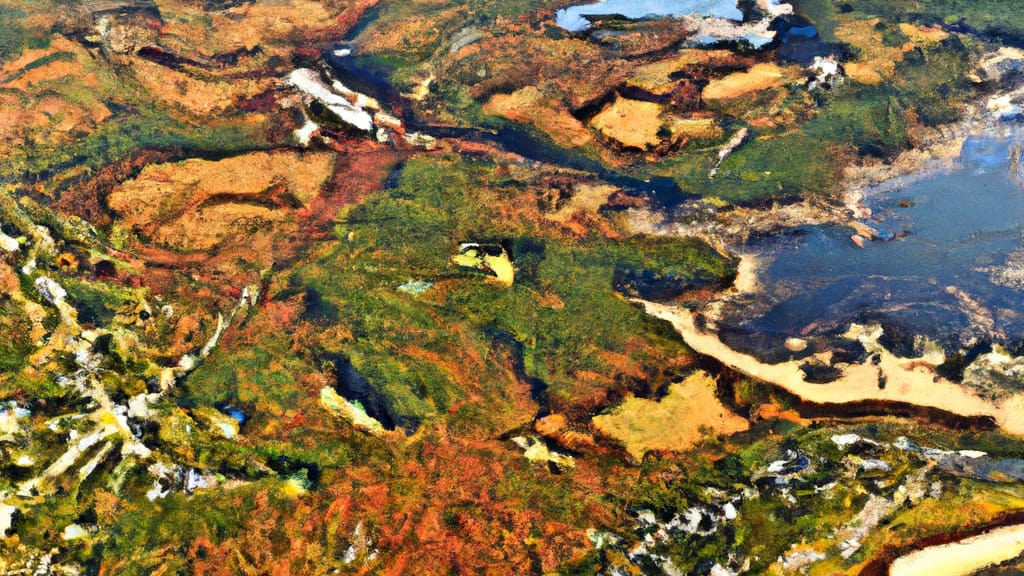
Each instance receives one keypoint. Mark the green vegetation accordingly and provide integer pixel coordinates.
(853, 119)
(411, 231)
(15, 346)
(35, 162)
(1000, 20)
(13, 36)
(786, 167)
(464, 360)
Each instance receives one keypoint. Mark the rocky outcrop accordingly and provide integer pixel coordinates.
(1000, 68)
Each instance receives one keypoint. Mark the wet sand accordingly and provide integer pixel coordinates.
(907, 381)
(964, 557)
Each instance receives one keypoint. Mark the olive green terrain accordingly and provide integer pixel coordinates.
(366, 300)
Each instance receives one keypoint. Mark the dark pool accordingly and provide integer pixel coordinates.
(939, 272)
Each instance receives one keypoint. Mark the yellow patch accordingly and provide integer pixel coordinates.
(632, 123)
(676, 423)
(759, 77)
(501, 265)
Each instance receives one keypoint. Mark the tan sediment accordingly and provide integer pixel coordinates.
(964, 557)
(249, 201)
(759, 77)
(675, 423)
(632, 123)
(907, 381)
(694, 128)
(587, 198)
(161, 190)
(656, 78)
(530, 106)
(193, 94)
(876, 60)
(746, 275)
(255, 24)
(923, 34)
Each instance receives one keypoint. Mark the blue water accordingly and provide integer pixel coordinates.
(235, 414)
(572, 19)
(946, 230)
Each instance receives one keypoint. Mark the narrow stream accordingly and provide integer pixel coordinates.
(371, 77)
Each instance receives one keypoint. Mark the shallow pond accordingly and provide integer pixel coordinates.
(949, 263)
(573, 19)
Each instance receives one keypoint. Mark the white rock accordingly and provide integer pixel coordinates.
(305, 133)
(776, 8)
(195, 480)
(875, 464)
(228, 430)
(798, 559)
(825, 71)
(646, 517)
(386, 120)
(351, 411)
(350, 555)
(133, 447)
(424, 141)
(74, 532)
(796, 344)
(187, 363)
(601, 539)
(1004, 105)
(156, 491)
(8, 244)
(1005, 63)
(719, 570)
(844, 440)
(729, 511)
(50, 291)
(6, 518)
(138, 407)
(309, 81)
(9, 423)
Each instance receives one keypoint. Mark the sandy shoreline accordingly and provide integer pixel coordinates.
(964, 557)
(907, 381)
